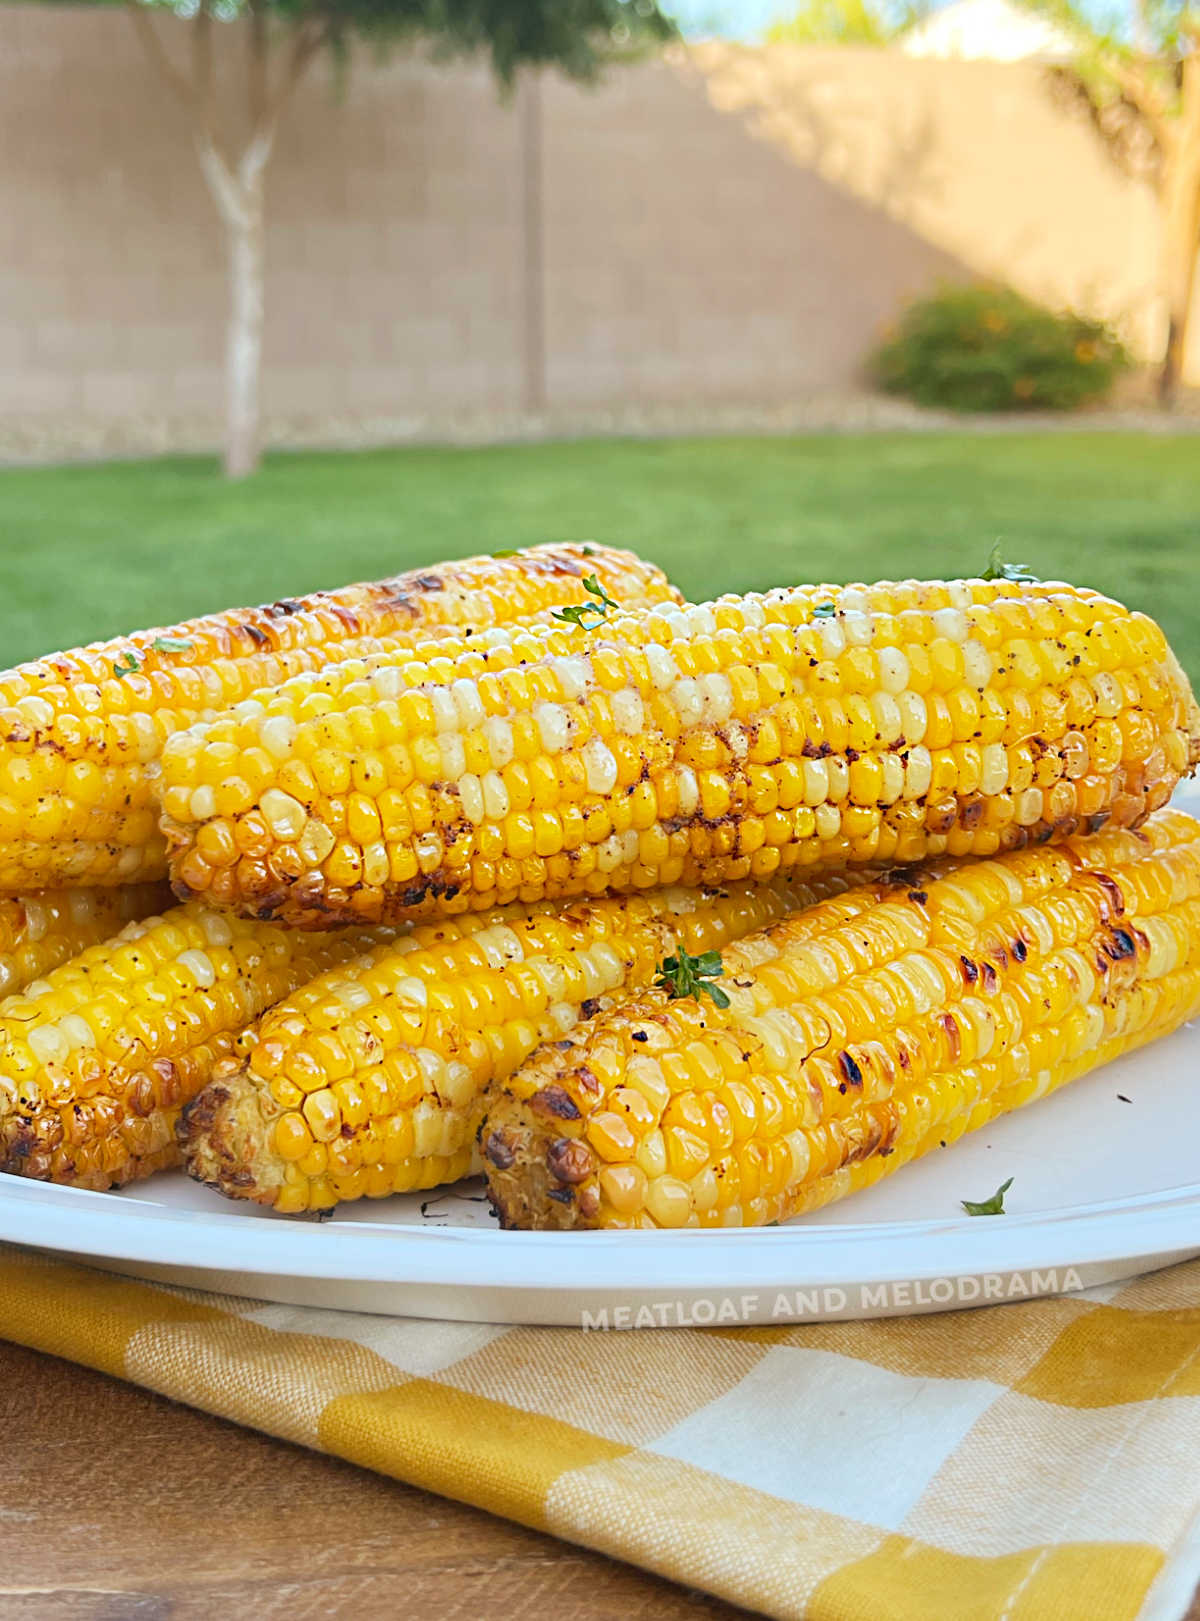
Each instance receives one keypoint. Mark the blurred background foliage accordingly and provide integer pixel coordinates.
(984, 348)
(94, 550)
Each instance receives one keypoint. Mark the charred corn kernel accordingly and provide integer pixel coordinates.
(860, 1034)
(43, 928)
(390, 1054)
(82, 729)
(101, 1054)
(913, 720)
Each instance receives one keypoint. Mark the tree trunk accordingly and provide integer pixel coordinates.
(237, 189)
(243, 354)
(1180, 204)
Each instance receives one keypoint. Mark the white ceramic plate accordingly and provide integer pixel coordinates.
(1102, 1189)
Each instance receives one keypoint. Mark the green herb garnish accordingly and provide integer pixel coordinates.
(127, 664)
(989, 1207)
(507, 551)
(824, 610)
(578, 614)
(1016, 573)
(685, 975)
(172, 644)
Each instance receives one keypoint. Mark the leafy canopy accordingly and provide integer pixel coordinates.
(579, 37)
(847, 22)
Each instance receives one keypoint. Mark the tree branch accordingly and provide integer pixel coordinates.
(202, 58)
(228, 193)
(256, 41)
(1145, 95)
(309, 39)
(157, 53)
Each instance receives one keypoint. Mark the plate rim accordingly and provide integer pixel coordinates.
(1139, 1226)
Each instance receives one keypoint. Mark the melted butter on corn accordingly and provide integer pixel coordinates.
(81, 732)
(703, 744)
(860, 1035)
(368, 1081)
(98, 1057)
(42, 928)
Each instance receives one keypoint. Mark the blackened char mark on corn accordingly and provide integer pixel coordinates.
(569, 1161)
(1113, 904)
(499, 1151)
(554, 1101)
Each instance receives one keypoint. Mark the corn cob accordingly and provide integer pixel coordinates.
(46, 927)
(694, 745)
(97, 1059)
(368, 1081)
(938, 1000)
(80, 732)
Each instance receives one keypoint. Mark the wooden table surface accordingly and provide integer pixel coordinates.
(116, 1505)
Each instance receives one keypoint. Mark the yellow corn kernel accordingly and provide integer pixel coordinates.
(860, 1034)
(383, 1062)
(626, 756)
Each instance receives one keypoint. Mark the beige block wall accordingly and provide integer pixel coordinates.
(733, 228)
(976, 158)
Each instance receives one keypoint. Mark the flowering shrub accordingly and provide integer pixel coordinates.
(987, 348)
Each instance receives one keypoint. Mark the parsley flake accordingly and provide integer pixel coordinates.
(507, 551)
(1015, 573)
(578, 613)
(989, 1207)
(685, 975)
(127, 664)
(824, 610)
(172, 644)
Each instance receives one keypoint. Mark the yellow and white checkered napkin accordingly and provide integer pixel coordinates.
(1031, 1462)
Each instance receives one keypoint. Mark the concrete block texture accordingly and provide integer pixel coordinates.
(724, 226)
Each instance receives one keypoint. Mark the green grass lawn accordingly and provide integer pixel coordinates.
(88, 551)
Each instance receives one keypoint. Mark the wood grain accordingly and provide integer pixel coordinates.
(117, 1505)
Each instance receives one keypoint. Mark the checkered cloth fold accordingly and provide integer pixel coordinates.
(1025, 1462)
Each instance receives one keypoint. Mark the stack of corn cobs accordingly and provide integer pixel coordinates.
(659, 915)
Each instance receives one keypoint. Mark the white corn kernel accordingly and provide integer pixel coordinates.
(467, 702)
(470, 796)
(952, 624)
(445, 711)
(663, 669)
(77, 1031)
(718, 697)
(284, 815)
(454, 755)
(277, 734)
(688, 702)
(977, 664)
(217, 929)
(48, 1044)
(199, 965)
(203, 804)
(627, 712)
(600, 764)
(495, 796)
(894, 673)
(498, 735)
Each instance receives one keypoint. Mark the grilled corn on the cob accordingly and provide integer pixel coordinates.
(368, 1081)
(97, 1059)
(695, 745)
(41, 929)
(933, 1003)
(81, 731)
